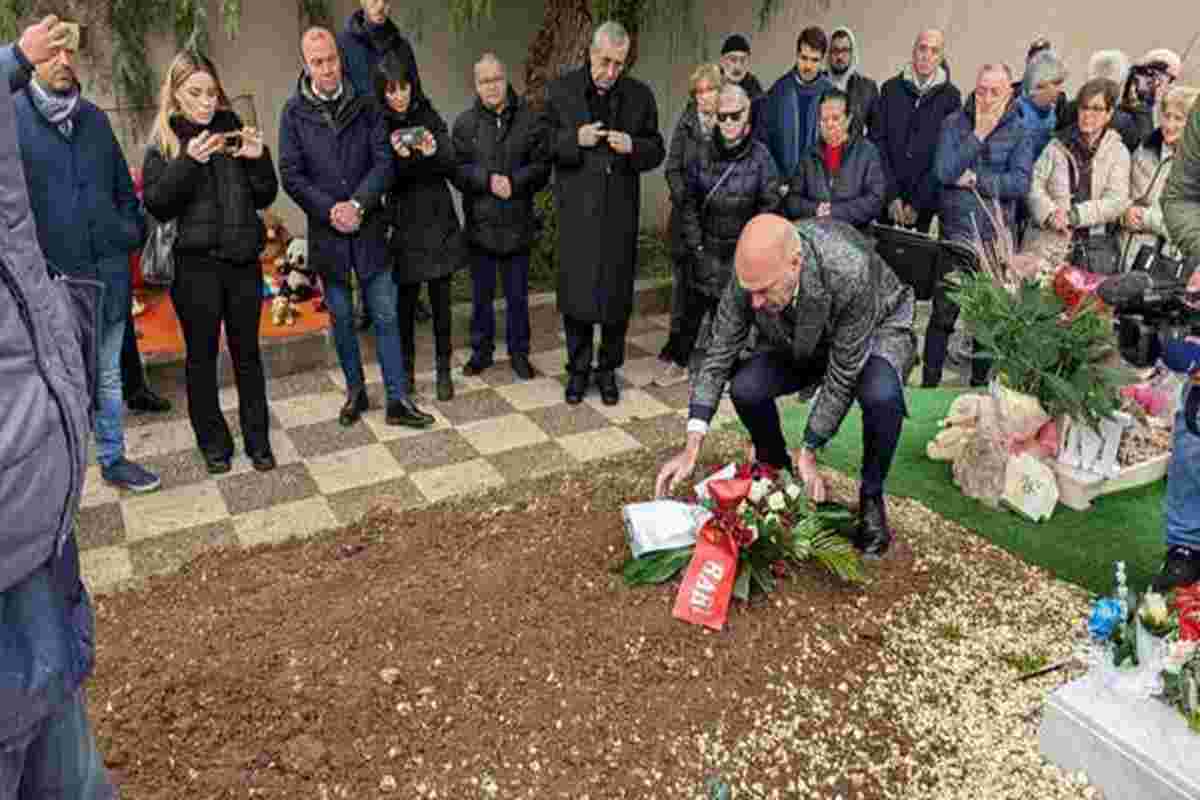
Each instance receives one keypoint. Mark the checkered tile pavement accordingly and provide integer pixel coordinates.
(497, 429)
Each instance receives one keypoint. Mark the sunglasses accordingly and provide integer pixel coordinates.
(730, 116)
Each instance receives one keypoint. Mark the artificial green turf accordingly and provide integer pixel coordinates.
(1080, 547)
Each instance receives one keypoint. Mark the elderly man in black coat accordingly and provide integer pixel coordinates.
(600, 131)
(498, 171)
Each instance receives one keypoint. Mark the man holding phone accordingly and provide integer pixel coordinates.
(601, 132)
(89, 220)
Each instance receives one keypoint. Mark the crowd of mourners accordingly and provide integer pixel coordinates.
(776, 195)
(369, 159)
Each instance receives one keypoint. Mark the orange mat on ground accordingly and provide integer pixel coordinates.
(159, 333)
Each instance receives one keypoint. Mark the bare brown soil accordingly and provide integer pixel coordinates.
(475, 649)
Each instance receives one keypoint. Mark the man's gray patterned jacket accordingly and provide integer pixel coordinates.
(850, 306)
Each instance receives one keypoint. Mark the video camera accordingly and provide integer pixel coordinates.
(1152, 308)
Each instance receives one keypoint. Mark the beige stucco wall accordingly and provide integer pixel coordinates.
(264, 60)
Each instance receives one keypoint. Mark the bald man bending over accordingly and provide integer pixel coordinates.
(830, 315)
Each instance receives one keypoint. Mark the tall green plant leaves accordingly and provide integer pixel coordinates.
(1041, 349)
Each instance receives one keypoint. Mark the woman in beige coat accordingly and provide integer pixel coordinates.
(1143, 221)
(1080, 187)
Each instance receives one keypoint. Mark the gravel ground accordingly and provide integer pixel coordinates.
(433, 654)
(947, 675)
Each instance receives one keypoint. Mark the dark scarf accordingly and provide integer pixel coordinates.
(333, 108)
(1072, 139)
(380, 36)
(223, 121)
(416, 105)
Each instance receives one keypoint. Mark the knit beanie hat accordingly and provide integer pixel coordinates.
(735, 43)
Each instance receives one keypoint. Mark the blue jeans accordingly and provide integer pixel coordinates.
(514, 270)
(761, 379)
(110, 414)
(57, 760)
(1182, 504)
(380, 293)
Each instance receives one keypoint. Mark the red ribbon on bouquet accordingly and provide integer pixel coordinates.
(707, 587)
(1187, 603)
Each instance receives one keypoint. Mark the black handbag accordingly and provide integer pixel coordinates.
(158, 254)
(1098, 254)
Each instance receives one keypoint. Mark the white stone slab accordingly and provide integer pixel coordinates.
(1129, 748)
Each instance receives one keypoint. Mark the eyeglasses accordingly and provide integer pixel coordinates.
(1094, 109)
(730, 116)
(840, 51)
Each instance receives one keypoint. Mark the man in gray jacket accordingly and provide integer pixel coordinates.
(829, 314)
(46, 624)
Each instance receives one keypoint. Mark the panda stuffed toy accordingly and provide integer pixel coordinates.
(297, 283)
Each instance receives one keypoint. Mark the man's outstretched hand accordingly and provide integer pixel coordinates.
(677, 469)
(806, 469)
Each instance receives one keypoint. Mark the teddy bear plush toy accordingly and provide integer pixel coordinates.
(274, 252)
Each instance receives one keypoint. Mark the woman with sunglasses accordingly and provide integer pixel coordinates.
(733, 180)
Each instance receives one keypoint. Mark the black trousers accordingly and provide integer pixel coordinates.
(942, 319)
(208, 293)
(766, 376)
(133, 377)
(580, 348)
(673, 350)
(698, 304)
(409, 295)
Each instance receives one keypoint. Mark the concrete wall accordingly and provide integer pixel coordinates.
(976, 33)
(264, 60)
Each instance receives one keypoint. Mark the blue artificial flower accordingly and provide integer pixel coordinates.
(1106, 616)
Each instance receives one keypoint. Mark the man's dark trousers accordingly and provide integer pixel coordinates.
(514, 271)
(580, 348)
(764, 377)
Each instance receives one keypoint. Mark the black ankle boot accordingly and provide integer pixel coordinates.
(874, 537)
(356, 404)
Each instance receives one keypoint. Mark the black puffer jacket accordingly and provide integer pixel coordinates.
(855, 193)
(425, 237)
(725, 189)
(487, 144)
(216, 204)
(688, 143)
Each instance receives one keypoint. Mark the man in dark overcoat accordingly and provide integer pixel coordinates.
(600, 132)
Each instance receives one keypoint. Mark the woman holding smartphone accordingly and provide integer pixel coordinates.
(425, 237)
(211, 175)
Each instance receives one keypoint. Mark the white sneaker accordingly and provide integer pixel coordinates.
(671, 374)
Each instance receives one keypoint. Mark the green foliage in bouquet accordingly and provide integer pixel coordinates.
(787, 531)
(1038, 345)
